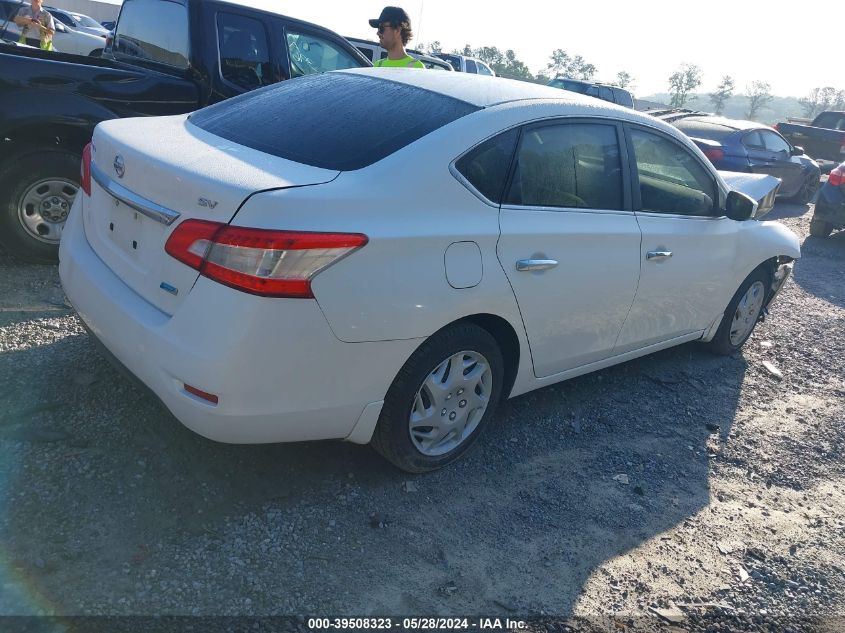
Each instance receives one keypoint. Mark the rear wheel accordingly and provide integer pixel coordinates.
(820, 228)
(742, 314)
(807, 191)
(441, 400)
(38, 190)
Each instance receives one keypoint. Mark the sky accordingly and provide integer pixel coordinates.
(788, 45)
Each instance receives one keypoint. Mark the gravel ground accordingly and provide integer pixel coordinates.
(730, 514)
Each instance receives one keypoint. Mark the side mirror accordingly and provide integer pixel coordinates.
(797, 151)
(740, 207)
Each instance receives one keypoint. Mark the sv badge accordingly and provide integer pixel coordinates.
(208, 204)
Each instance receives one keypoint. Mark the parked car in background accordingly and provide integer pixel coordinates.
(747, 146)
(606, 92)
(373, 51)
(829, 211)
(823, 139)
(157, 65)
(78, 22)
(431, 62)
(464, 64)
(239, 262)
(65, 40)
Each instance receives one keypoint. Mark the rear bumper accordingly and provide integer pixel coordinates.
(830, 205)
(279, 372)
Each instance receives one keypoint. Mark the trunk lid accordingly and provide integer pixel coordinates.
(149, 175)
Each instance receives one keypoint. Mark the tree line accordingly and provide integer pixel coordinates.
(506, 64)
(687, 78)
(682, 82)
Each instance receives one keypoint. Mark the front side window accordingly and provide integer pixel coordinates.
(366, 52)
(775, 143)
(155, 31)
(483, 70)
(671, 179)
(471, 67)
(244, 54)
(311, 54)
(486, 167)
(573, 165)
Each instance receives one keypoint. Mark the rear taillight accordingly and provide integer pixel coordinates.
(85, 170)
(259, 261)
(714, 153)
(837, 176)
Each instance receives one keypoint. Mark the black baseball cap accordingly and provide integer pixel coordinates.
(392, 15)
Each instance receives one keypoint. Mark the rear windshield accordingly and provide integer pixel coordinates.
(335, 121)
(701, 129)
(573, 86)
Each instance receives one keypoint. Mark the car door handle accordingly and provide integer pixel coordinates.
(658, 255)
(533, 265)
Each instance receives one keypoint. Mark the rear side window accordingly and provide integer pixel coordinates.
(486, 167)
(830, 120)
(153, 30)
(573, 165)
(623, 98)
(244, 53)
(311, 54)
(336, 121)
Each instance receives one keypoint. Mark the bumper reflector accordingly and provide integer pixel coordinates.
(203, 395)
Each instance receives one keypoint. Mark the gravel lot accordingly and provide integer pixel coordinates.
(730, 514)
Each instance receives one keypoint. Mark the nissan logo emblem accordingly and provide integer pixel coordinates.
(119, 167)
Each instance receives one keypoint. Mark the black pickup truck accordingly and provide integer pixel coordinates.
(167, 57)
(823, 139)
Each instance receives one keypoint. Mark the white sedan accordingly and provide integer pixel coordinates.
(381, 255)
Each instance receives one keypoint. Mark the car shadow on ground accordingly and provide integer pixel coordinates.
(785, 209)
(826, 253)
(101, 485)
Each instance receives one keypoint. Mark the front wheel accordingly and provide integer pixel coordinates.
(742, 314)
(440, 401)
(37, 191)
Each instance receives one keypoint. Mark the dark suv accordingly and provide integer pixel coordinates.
(614, 94)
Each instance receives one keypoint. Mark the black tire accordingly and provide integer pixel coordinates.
(820, 228)
(721, 343)
(392, 436)
(18, 176)
(807, 191)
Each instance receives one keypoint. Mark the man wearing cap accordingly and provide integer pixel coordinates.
(394, 32)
